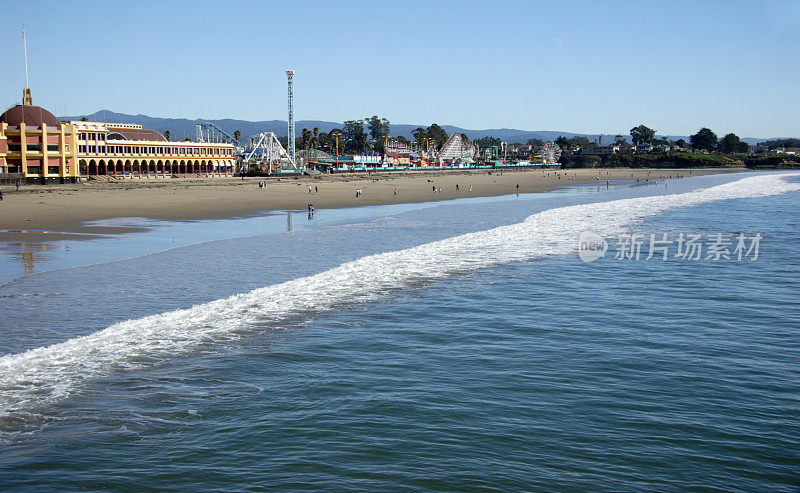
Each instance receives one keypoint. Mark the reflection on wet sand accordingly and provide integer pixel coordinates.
(29, 253)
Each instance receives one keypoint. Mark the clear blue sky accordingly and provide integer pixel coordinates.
(580, 66)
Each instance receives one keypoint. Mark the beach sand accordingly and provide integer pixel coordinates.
(41, 213)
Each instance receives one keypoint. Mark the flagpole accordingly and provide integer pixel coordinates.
(25, 47)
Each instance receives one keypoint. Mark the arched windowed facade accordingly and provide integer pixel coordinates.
(36, 147)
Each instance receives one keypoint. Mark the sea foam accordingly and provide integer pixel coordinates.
(32, 381)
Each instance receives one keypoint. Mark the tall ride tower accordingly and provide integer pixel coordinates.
(290, 80)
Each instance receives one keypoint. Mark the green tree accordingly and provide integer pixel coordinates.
(744, 147)
(680, 143)
(438, 135)
(378, 127)
(237, 134)
(619, 139)
(776, 143)
(642, 134)
(562, 142)
(325, 142)
(704, 139)
(328, 141)
(420, 134)
(305, 138)
(535, 142)
(315, 138)
(489, 141)
(354, 136)
(731, 143)
(378, 130)
(582, 142)
(167, 134)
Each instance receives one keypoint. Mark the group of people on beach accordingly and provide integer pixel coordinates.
(436, 189)
(262, 185)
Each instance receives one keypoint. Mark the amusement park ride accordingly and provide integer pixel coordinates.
(264, 151)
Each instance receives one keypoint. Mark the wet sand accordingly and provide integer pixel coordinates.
(52, 212)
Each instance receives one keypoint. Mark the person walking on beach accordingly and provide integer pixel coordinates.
(456, 187)
(434, 188)
(1, 194)
(395, 192)
(518, 187)
(316, 189)
(309, 189)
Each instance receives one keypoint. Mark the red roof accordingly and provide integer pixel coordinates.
(135, 134)
(31, 115)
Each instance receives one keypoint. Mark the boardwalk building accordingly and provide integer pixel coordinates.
(130, 150)
(37, 148)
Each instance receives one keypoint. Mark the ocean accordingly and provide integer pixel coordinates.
(454, 346)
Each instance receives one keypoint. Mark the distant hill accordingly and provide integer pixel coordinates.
(181, 128)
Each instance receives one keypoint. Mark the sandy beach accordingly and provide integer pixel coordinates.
(58, 211)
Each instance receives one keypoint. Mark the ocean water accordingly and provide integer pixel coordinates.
(458, 346)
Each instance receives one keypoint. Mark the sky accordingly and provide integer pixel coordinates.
(575, 66)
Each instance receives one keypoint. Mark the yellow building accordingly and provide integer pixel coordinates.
(36, 148)
(130, 150)
(3, 152)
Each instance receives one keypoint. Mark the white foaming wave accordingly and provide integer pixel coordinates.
(40, 377)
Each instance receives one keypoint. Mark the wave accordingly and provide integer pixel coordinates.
(32, 381)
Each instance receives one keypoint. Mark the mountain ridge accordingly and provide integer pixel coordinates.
(181, 128)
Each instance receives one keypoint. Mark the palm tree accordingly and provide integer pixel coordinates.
(166, 134)
(237, 134)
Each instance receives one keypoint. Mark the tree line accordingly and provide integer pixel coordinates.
(366, 135)
(704, 140)
(351, 138)
(369, 135)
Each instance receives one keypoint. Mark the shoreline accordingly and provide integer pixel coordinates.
(54, 212)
